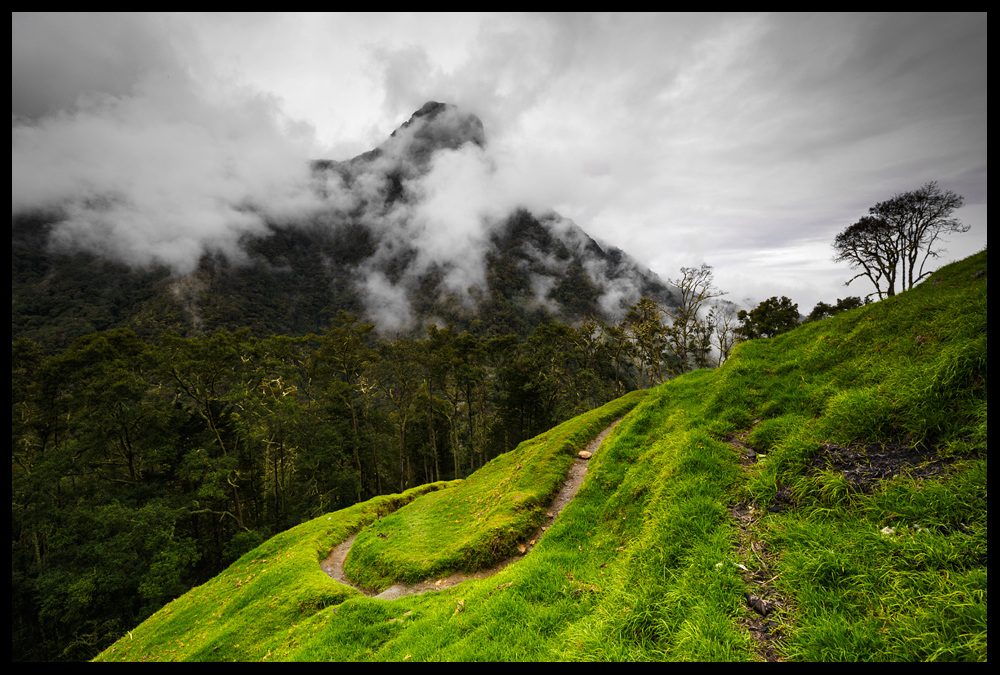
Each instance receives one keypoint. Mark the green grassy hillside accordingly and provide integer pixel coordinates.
(833, 477)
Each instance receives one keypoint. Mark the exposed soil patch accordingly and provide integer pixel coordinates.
(765, 608)
(865, 465)
(748, 456)
(333, 565)
(758, 563)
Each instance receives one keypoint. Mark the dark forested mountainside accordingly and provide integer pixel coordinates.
(296, 282)
(371, 250)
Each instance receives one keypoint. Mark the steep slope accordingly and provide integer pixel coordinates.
(415, 231)
(822, 496)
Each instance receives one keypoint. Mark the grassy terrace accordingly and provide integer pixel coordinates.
(482, 519)
(859, 524)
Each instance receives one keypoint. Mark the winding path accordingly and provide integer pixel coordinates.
(333, 565)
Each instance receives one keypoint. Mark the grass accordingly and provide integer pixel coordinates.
(648, 562)
(481, 521)
(244, 613)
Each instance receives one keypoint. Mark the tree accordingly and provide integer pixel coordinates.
(646, 332)
(870, 245)
(624, 356)
(824, 311)
(689, 336)
(771, 317)
(395, 368)
(896, 239)
(337, 367)
(722, 318)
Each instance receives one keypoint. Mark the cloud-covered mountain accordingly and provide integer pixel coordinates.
(427, 227)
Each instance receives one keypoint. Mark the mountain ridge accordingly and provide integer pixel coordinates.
(391, 242)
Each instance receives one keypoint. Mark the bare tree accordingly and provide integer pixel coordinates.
(723, 319)
(894, 242)
(689, 336)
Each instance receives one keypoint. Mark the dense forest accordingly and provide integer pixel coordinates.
(296, 280)
(143, 467)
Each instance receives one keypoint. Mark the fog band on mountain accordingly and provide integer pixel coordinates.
(164, 177)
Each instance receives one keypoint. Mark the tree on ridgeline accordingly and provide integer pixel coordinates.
(771, 317)
(723, 319)
(689, 335)
(893, 243)
(823, 310)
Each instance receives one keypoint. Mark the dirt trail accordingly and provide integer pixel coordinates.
(333, 565)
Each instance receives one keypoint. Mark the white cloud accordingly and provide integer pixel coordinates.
(161, 174)
(678, 138)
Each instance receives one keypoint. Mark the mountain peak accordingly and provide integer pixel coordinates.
(436, 126)
(444, 121)
(431, 109)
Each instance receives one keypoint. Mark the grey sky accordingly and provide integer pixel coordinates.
(744, 141)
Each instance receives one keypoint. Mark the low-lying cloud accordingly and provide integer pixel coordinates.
(150, 164)
(162, 174)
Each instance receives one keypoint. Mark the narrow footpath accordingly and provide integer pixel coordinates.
(333, 565)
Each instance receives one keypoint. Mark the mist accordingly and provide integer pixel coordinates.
(166, 172)
(744, 140)
(456, 194)
(160, 175)
(139, 157)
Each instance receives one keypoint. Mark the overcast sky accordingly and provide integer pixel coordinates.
(743, 141)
